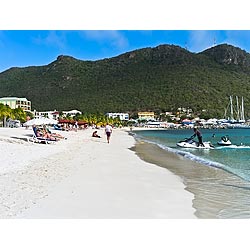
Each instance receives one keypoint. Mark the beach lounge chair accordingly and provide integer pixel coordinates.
(40, 139)
(56, 127)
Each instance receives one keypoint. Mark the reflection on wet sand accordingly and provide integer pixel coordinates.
(218, 194)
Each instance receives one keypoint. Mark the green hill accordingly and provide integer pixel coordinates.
(158, 79)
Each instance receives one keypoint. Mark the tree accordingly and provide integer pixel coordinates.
(5, 113)
(19, 114)
(29, 114)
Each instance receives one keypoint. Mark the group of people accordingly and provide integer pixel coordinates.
(44, 133)
(108, 131)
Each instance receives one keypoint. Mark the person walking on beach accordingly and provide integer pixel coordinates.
(108, 131)
(76, 126)
(199, 136)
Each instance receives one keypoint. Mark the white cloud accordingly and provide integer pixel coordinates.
(53, 38)
(113, 37)
(200, 40)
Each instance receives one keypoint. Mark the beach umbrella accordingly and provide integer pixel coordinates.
(35, 121)
(40, 121)
(49, 121)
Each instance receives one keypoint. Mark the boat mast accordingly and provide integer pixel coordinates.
(237, 108)
(231, 109)
(242, 109)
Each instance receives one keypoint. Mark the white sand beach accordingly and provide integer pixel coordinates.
(85, 177)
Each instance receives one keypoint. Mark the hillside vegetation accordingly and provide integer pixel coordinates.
(157, 79)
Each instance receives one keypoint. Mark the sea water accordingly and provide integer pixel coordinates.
(234, 158)
(231, 197)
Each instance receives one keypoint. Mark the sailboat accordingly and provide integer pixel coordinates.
(237, 116)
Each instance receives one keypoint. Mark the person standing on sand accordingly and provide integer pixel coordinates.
(108, 131)
(76, 126)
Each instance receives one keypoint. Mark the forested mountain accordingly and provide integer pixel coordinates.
(158, 79)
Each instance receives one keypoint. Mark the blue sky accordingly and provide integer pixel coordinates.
(35, 33)
(21, 48)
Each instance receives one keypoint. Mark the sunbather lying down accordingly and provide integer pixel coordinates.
(46, 130)
(43, 134)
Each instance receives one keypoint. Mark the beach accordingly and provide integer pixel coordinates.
(53, 196)
(86, 178)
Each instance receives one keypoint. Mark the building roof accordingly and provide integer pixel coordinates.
(13, 99)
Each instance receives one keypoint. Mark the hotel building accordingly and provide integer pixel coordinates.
(15, 102)
(121, 116)
(146, 115)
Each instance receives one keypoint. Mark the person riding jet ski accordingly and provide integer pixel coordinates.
(199, 136)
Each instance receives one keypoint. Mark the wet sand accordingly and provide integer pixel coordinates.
(217, 193)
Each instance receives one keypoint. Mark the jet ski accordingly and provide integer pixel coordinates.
(190, 143)
(224, 141)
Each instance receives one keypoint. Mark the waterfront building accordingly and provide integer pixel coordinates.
(55, 114)
(49, 114)
(121, 116)
(146, 116)
(71, 113)
(16, 102)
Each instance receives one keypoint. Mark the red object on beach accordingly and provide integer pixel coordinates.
(66, 121)
(72, 122)
(82, 123)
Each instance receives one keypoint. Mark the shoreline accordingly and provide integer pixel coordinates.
(85, 177)
(212, 187)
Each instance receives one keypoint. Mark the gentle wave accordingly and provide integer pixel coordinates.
(186, 155)
(219, 195)
(233, 147)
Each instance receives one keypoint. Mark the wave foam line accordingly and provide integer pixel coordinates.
(187, 155)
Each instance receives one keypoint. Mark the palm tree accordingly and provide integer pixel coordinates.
(5, 112)
(19, 114)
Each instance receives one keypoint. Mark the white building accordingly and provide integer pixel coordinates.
(121, 116)
(71, 112)
(55, 114)
(50, 114)
(16, 102)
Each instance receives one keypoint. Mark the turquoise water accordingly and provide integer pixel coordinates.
(234, 159)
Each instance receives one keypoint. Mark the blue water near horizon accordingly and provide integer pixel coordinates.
(234, 159)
